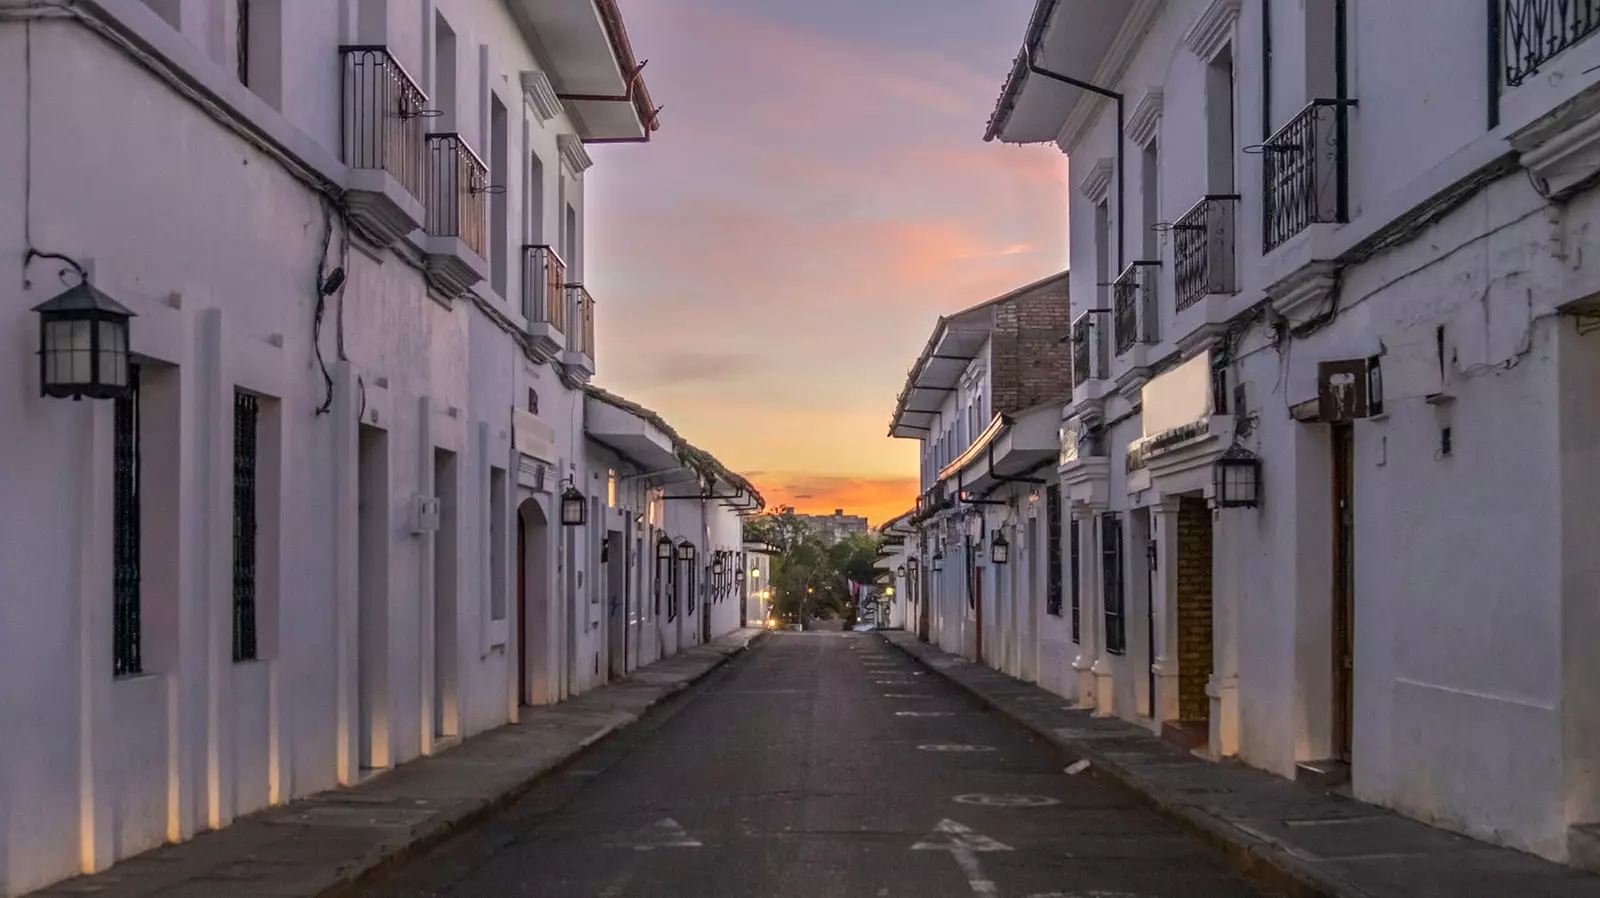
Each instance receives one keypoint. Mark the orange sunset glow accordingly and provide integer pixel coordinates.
(769, 266)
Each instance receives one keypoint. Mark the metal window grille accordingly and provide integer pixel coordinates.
(125, 628)
(382, 114)
(1052, 512)
(246, 415)
(1111, 558)
(457, 188)
(689, 581)
(971, 554)
(1203, 250)
(1077, 586)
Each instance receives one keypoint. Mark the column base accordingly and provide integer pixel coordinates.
(1224, 693)
(1083, 680)
(1104, 694)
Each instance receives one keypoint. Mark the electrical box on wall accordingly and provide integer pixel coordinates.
(424, 514)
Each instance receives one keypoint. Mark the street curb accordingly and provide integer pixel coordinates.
(1266, 861)
(440, 829)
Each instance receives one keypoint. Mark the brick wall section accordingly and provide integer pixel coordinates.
(1194, 608)
(1029, 364)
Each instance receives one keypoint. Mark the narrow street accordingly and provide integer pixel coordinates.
(819, 764)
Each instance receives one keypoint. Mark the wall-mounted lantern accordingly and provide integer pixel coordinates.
(1238, 474)
(716, 565)
(739, 575)
(911, 566)
(664, 548)
(574, 508)
(83, 345)
(900, 572)
(937, 562)
(999, 549)
(686, 551)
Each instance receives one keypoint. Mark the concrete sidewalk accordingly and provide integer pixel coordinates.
(321, 844)
(1305, 841)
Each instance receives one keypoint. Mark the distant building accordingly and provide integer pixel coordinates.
(834, 527)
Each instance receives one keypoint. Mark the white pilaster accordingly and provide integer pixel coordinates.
(346, 567)
(1164, 600)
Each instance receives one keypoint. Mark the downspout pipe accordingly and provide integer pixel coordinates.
(1122, 153)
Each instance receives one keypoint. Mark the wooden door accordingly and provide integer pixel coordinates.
(522, 611)
(1343, 591)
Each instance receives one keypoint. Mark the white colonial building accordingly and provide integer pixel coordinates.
(1329, 458)
(984, 400)
(312, 528)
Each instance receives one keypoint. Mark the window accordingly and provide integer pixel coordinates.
(611, 488)
(570, 244)
(1077, 586)
(1052, 513)
(497, 543)
(258, 56)
(689, 581)
(125, 636)
(443, 96)
(499, 201)
(246, 418)
(1220, 152)
(1150, 189)
(1111, 558)
(971, 554)
(1102, 253)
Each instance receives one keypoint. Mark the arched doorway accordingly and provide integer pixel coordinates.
(534, 685)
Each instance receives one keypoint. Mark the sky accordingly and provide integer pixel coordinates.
(767, 269)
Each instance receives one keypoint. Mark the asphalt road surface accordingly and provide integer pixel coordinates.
(820, 765)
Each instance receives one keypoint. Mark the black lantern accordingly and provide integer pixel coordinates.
(664, 548)
(999, 549)
(900, 572)
(83, 345)
(686, 551)
(739, 574)
(716, 565)
(574, 508)
(911, 565)
(938, 562)
(1238, 478)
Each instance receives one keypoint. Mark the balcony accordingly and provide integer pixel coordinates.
(1091, 356)
(457, 189)
(544, 299)
(1532, 32)
(381, 137)
(1136, 310)
(580, 339)
(1203, 250)
(1306, 172)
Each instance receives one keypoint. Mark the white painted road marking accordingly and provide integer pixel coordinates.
(924, 713)
(905, 695)
(1077, 767)
(1008, 801)
(955, 747)
(664, 833)
(964, 845)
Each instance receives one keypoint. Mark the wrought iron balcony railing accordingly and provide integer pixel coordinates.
(1534, 31)
(1135, 305)
(544, 280)
(381, 115)
(1306, 172)
(458, 185)
(581, 337)
(1203, 250)
(1090, 348)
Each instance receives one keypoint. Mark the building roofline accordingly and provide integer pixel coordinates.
(1037, 23)
(692, 456)
(617, 32)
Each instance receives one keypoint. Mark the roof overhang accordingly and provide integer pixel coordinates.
(1008, 451)
(956, 342)
(592, 66)
(631, 435)
(1069, 37)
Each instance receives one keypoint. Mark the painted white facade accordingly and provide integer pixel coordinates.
(411, 423)
(1441, 240)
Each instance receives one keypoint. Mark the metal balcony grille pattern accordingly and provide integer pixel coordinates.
(1080, 351)
(1534, 31)
(125, 543)
(246, 415)
(1203, 250)
(544, 281)
(1304, 173)
(458, 185)
(1052, 510)
(581, 337)
(382, 116)
(1077, 586)
(1134, 305)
